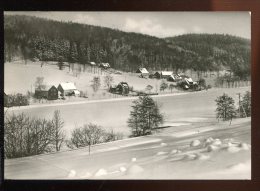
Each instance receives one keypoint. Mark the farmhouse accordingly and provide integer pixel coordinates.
(68, 89)
(142, 71)
(49, 92)
(164, 75)
(121, 88)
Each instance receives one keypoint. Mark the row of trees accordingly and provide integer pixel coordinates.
(48, 40)
(25, 136)
(96, 82)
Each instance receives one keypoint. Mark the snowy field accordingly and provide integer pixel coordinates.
(194, 146)
(20, 78)
(113, 114)
(222, 152)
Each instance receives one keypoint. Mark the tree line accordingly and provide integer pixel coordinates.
(47, 40)
(27, 136)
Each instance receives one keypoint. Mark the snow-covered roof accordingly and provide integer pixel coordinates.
(166, 73)
(106, 64)
(76, 92)
(172, 76)
(68, 86)
(142, 70)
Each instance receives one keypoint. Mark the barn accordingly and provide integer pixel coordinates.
(50, 92)
(68, 89)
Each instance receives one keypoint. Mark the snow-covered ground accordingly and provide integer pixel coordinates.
(20, 78)
(193, 146)
(223, 152)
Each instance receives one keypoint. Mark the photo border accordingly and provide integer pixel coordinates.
(148, 5)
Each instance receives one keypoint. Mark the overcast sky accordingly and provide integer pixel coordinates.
(160, 24)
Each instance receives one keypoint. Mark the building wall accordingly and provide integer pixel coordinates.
(53, 93)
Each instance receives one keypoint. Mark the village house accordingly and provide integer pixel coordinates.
(105, 65)
(143, 72)
(68, 89)
(50, 92)
(121, 88)
(164, 75)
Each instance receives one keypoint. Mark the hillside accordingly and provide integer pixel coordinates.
(36, 38)
(214, 51)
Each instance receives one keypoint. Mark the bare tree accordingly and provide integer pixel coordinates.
(59, 134)
(39, 83)
(96, 83)
(24, 136)
(163, 85)
(149, 88)
(91, 134)
(171, 87)
(108, 80)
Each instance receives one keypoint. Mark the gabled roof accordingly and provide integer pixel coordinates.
(172, 76)
(142, 70)
(46, 88)
(68, 86)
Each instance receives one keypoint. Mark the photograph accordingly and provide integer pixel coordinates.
(114, 95)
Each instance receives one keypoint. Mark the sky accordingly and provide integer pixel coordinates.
(159, 24)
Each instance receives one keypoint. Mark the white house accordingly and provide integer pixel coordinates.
(68, 88)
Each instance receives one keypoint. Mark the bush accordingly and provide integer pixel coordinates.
(90, 134)
(163, 86)
(16, 100)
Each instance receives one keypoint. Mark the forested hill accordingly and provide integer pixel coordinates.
(216, 51)
(36, 38)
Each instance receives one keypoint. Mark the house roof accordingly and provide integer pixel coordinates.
(105, 64)
(172, 76)
(68, 86)
(46, 88)
(77, 92)
(142, 70)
